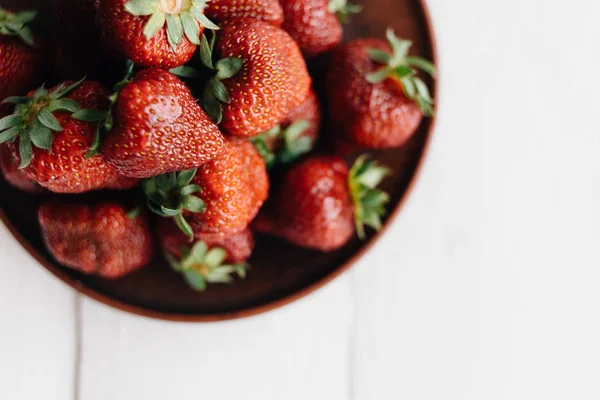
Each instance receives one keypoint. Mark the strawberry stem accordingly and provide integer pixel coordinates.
(18, 24)
(403, 69)
(369, 202)
(200, 265)
(171, 194)
(33, 120)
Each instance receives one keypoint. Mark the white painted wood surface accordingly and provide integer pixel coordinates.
(486, 287)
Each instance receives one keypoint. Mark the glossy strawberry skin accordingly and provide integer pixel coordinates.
(66, 169)
(273, 79)
(96, 239)
(234, 187)
(238, 246)
(373, 116)
(159, 128)
(312, 25)
(13, 175)
(312, 207)
(21, 68)
(122, 33)
(265, 10)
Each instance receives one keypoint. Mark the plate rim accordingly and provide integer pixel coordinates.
(271, 305)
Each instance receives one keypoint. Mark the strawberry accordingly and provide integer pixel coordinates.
(100, 239)
(9, 166)
(320, 204)
(316, 24)
(209, 259)
(220, 197)
(260, 77)
(22, 63)
(51, 133)
(153, 33)
(376, 98)
(295, 136)
(159, 127)
(266, 10)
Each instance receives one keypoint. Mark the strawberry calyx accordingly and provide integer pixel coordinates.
(200, 265)
(182, 17)
(18, 24)
(369, 202)
(215, 93)
(33, 120)
(293, 144)
(168, 195)
(343, 9)
(403, 69)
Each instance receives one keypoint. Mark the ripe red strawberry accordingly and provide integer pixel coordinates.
(159, 128)
(265, 10)
(221, 196)
(295, 136)
(376, 99)
(210, 258)
(263, 75)
(153, 33)
(316, 24)
(51, 134)
(100, 239)
(22, 63)
(13, 175)
(320, 204)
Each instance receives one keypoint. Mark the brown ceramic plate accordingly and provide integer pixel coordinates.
(281, 273)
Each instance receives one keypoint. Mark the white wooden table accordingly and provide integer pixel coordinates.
(486, 287)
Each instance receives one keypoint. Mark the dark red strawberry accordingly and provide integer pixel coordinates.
(260, 77)
(210, 258)
(321, 204)
(316, 24)
(265, 10)
(295, 136)
(51, 133)
(221, 196)
(159, 128)
(153, 33)
(100, 239)
(22, 55)
(375, 96)
(13, 175)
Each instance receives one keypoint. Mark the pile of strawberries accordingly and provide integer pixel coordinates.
(216, 97)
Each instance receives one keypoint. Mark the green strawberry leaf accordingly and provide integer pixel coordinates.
(17, 100)
(25, 150)
(193, 204)
(191, 28)
(184, 178)
(41, 136)
(9, 134)
(9, 121)
(63, 105)
(195, 280)
(174, 30)
(190, 189)
(229, 67)
(48, 120)
(154, 24)
(141, 7)
(90, 115)
(185, 71)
